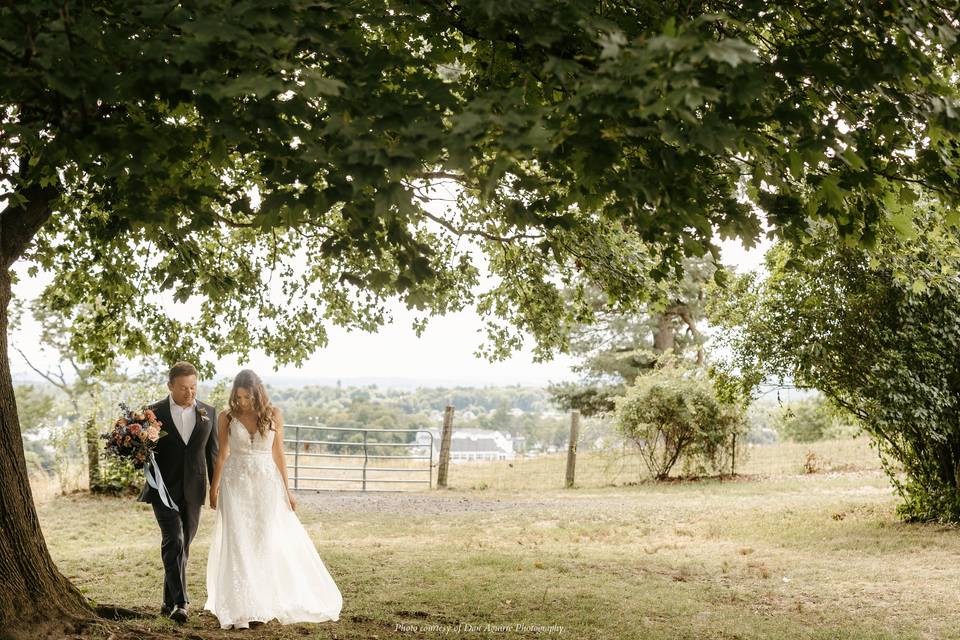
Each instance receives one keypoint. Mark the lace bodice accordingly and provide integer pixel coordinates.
(241, 442)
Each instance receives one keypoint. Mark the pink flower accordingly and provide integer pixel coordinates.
(153, 433)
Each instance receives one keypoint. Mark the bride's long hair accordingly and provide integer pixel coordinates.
(262, 406)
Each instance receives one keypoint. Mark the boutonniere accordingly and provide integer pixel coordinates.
(203, 414)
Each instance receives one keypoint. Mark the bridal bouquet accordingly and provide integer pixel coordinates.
(134, 435)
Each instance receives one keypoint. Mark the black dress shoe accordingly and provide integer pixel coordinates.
(178, 615)
(166, 609)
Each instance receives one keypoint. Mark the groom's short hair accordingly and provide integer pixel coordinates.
(182, 369)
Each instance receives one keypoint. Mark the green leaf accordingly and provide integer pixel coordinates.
(317, 84)
(796, 165)
(903, 224)
(830, 191)
(731, 51)
(669, 27)
(852, 160)
(907, 195)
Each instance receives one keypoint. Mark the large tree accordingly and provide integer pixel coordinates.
(877, 332)
(617, 343)
(268, 163)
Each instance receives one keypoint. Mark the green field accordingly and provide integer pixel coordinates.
(776, 553)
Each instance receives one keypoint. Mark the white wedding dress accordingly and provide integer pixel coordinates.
(262, 562)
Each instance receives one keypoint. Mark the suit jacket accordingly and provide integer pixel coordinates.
(183, 465)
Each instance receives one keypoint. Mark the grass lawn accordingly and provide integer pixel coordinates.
(777, 554)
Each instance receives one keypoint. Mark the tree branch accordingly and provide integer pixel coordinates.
(479, 232)
(231, 223)
(684, 312)
(20, 223)
(440, 175)
(62, 384)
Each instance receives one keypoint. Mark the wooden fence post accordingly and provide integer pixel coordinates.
(296, 457)
(445, 447)
(94, 446)
(572, 447)
(733, 457)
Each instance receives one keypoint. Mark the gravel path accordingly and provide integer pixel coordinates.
(439, 502)
(420, 503)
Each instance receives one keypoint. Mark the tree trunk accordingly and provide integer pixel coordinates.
(663, 335)
(684, 314)
(34, 591)
(94, 444)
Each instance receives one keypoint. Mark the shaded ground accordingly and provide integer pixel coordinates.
(767, 556)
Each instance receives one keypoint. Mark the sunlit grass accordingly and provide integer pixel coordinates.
(624, 466)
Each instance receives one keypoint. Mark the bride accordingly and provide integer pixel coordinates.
(262, 563)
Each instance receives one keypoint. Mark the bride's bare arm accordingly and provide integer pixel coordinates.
(223, 424)
(278, 455)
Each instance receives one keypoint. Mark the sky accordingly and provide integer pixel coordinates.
(392, 357)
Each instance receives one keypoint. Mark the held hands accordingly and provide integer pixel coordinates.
(214, 494)
(292, 500)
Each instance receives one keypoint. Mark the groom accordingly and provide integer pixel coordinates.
(184, 455)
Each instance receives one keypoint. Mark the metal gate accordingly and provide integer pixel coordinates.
(366, 453)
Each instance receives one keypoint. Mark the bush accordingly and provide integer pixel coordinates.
(809, 420)
(673, 414)
(878, 334)
(67, 439)
(118, 476)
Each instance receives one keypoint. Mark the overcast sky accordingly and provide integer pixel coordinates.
(394, 356)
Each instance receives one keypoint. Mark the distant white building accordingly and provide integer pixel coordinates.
(474, 444)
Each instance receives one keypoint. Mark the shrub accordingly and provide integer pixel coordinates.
(877, 333)
(808, 420)
(673, 414)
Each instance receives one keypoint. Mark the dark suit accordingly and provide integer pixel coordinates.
(183, 466)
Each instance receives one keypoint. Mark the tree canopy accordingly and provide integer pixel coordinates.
(134, 133)
(615, 344)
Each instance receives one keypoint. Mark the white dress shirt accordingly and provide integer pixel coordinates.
(185, 418)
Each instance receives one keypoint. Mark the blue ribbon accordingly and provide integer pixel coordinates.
(152, 472)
